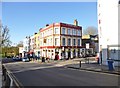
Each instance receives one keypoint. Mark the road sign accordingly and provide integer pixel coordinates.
(87, 45)
(63, 48)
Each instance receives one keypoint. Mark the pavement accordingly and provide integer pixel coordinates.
(92, 65)
(95, 67)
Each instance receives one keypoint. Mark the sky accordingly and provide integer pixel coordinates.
(49, 0)
(25, 18)
(0, 10)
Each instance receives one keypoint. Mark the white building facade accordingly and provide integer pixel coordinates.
(32, 43)
(60, 39)
(21, 51)
(108, 30)
(26, 44)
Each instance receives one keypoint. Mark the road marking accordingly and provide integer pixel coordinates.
(93, 72)
(58, 65)
(37, 68)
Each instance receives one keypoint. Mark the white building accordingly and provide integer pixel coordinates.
(21, 51)
(61, 39)
(26, 45)
(108, 29)
(32, 43)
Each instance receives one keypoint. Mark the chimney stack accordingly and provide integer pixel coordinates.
(40, 29)
(75, 22)
(35, 33)
(47, 25)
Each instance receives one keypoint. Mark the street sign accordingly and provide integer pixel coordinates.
(87, 45)
(62, 48)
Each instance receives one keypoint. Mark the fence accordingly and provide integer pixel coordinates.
(8, 79)
(114, 54)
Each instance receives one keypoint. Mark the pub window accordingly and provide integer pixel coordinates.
(63, 31)
(74, 42)
(63, 42)
(56, 31)
(69, 42)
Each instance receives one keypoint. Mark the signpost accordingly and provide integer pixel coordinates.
(87, 46)
(62, 48)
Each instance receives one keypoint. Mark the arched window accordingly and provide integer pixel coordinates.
(63, 41)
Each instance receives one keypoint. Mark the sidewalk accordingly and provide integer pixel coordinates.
(89, 65)
(94, 67)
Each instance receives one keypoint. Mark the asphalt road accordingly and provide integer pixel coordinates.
(35, 74)
(0, 74)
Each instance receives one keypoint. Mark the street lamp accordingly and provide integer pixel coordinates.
(27, 43)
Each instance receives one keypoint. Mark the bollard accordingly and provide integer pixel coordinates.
(80, 64)
(110, 65)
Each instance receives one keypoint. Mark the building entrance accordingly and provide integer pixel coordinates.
(69, 54)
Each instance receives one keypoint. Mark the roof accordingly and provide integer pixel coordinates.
(60, 24)
(86, 37)
(94, 37)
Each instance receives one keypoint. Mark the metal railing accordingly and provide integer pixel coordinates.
(9, 80)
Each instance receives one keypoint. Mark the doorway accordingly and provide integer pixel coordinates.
(69, 54)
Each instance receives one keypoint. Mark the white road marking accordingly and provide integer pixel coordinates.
(37, 68)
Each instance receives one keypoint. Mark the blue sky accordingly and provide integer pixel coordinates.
(0, 10)
(25, 18)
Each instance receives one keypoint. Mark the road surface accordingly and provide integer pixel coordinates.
(36, 74)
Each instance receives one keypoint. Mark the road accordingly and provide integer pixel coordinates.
(0, 74)
(36, 74)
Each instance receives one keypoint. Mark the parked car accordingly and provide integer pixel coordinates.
(25, 59)
(17, 59)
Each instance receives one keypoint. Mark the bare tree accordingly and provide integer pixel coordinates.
(90, 31)
(0, 37)
(4, 37)
(0, 32)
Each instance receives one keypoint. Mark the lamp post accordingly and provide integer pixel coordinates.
(29, 44)
(29, 47)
